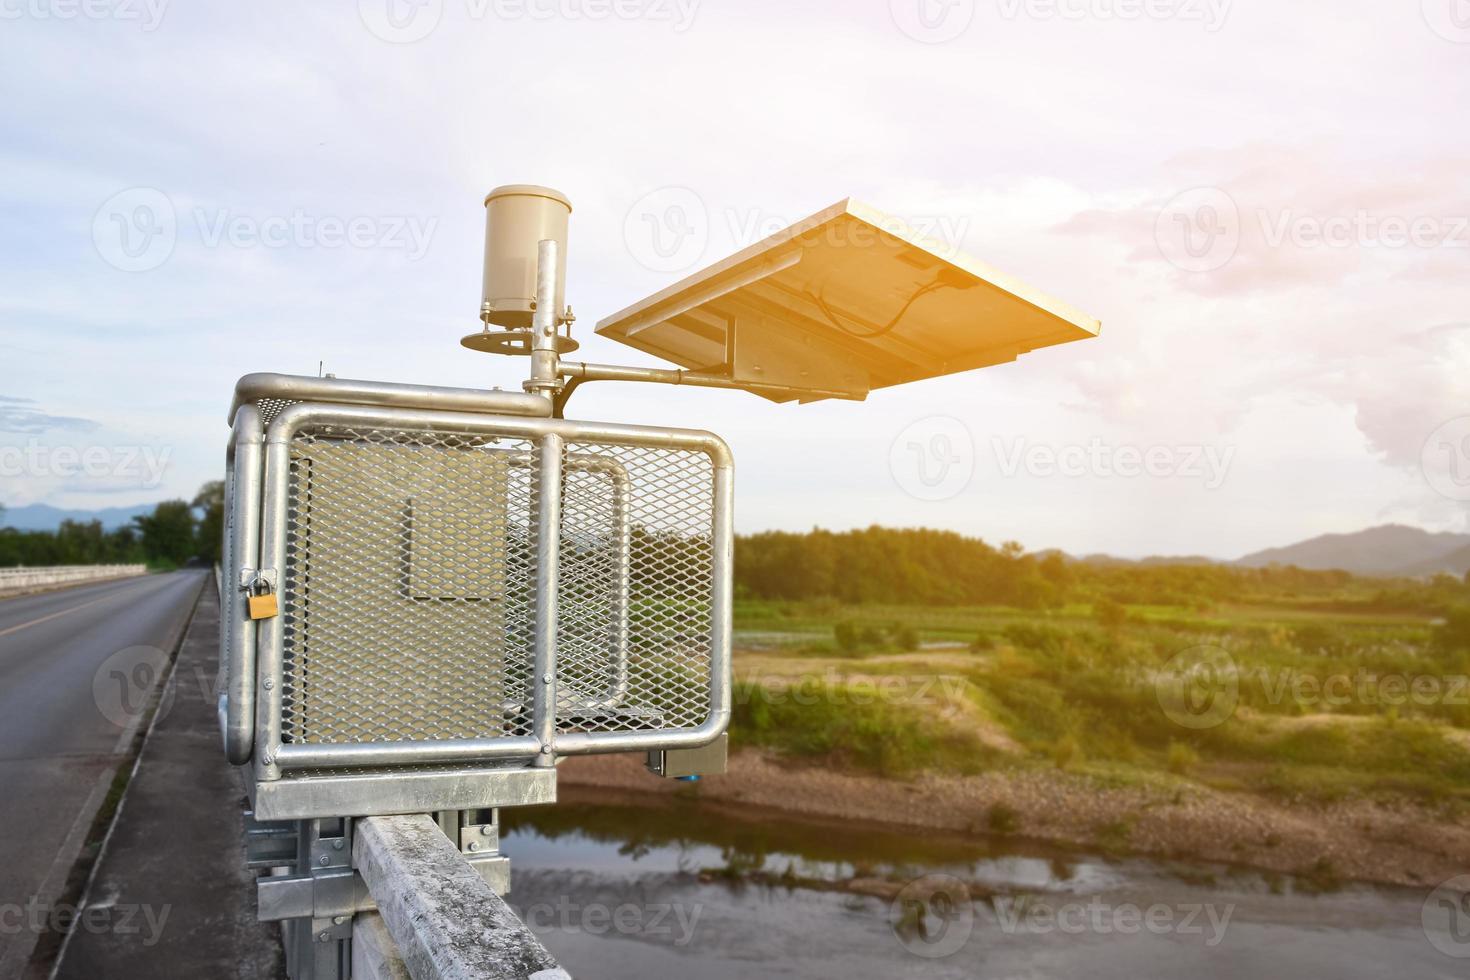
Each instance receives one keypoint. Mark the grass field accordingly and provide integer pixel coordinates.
(1317, 699)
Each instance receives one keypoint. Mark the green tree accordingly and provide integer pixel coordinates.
(168, 533)
(210, 500)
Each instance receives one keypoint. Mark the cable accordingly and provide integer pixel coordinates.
(938, 283)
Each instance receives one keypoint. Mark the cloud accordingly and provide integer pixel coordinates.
(17, 418)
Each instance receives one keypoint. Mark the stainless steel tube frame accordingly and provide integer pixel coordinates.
(268, 386)
(244, 474)
(581, 371)
(272, 756)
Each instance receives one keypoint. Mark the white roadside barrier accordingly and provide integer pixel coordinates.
(22, 578)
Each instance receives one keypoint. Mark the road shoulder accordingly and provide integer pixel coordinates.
(171, 896)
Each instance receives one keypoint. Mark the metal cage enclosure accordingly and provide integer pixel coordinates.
(467, 588)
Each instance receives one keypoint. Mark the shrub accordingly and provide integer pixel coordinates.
(1181, 758)
(1110, 614)
(1066, 751)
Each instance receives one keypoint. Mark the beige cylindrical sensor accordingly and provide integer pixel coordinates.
(517, 218)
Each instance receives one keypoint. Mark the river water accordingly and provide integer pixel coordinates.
(645, 889)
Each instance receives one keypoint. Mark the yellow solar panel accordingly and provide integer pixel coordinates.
(845, 301)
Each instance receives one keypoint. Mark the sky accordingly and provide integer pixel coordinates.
(1266, 205)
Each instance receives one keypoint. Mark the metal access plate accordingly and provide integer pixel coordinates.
(845, 301)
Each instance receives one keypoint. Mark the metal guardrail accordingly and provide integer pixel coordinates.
(41, 577)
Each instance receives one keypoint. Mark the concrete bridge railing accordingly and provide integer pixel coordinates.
(23, 578)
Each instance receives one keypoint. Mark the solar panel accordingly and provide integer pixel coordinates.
(846, 301)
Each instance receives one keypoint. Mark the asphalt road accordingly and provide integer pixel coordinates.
(76, 670)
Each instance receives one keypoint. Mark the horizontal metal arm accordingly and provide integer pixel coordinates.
(580, 371)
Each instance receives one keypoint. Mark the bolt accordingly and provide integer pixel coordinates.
(325, 937)
(323, 860)
(546, 678)
(474, 845)
(267, 759)
(337, 845)
(485, 830)
(340, 920)
(268, 684)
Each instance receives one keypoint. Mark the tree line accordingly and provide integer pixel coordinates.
(943, 568)
(175, 532)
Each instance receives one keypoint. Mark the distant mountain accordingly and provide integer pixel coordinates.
(1392, 549)
(1457, 562)
(44, 517)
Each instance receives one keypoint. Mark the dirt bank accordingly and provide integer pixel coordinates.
(1360, 841)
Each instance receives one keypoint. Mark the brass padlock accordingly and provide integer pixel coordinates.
(261, 602)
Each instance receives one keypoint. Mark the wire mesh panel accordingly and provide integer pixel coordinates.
(408, 563)
(635, 600)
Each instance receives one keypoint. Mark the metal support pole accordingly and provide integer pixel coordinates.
(548, 563)
(545, 370)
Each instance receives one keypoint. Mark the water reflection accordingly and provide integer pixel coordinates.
(631, 887)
